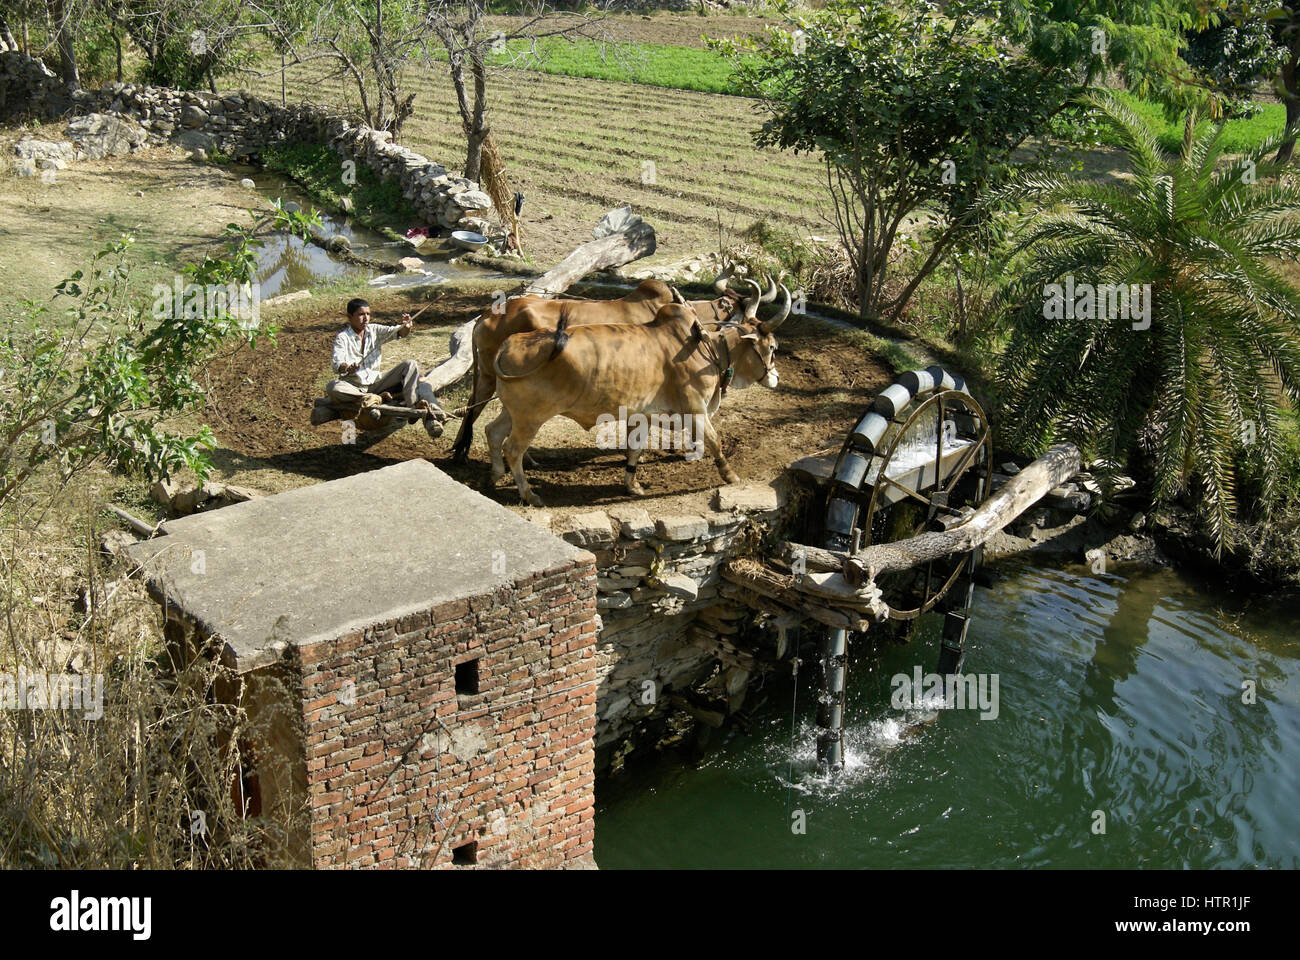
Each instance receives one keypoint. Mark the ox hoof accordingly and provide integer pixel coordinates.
(460, 457)
(533, 500)
(636, 489)
(730, 476)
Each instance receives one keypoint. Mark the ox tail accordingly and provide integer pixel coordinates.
(465, 435)
(559, 339)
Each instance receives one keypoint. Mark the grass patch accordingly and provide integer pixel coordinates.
(651, 64)
(1241, 135)
(319, 171)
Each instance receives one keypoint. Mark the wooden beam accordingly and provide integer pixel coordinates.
(1017, 495)
(837, 605)
(135, 523)
(453, 369)
(637, 241)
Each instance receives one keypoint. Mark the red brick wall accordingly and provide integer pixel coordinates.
(516, 773)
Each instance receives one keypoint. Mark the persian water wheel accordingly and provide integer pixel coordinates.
(920, 459)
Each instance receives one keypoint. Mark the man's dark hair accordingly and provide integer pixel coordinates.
(356, 304)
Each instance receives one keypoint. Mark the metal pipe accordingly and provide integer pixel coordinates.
(830, 708)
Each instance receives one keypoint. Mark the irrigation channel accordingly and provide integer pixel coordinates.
(1118, 692)
(287, 264)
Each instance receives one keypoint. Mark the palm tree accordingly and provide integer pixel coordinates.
(1209, 381)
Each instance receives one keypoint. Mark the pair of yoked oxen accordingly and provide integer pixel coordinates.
(652, 353)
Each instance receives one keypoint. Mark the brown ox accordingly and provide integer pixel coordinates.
(534, 313)
(671, 368)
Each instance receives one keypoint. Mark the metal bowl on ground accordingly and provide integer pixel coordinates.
(468, 239)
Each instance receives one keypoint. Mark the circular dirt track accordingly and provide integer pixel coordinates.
(260, 401)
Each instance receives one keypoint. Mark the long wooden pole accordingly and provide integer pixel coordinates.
(1017, 495)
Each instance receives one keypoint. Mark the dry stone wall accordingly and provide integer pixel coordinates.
(239, 125)
(667, 628)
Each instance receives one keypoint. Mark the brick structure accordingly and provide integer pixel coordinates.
(432, 656)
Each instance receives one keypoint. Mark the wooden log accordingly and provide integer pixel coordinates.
(615, 250)
(454, 368)
(1016, 496)
(830, 587)
(760, 579)
(135, 523)
(755, 601)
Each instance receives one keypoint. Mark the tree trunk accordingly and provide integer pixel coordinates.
(67, 52)
(477, 130)
(474, 155)
(7, 41)
(1290, 96)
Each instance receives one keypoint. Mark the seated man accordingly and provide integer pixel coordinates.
(357, 356)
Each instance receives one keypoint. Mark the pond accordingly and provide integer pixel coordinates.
(1119, 709)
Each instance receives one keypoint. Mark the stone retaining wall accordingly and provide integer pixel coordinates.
(241, 125)
(667, 642)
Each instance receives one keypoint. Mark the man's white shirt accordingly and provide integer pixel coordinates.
(348, 349)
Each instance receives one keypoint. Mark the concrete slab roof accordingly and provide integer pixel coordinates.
(316, 563)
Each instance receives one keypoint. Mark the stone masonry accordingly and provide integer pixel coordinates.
(668, 627)
(240, 124)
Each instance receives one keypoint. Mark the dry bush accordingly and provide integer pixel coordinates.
(821, 268)
(149, 783)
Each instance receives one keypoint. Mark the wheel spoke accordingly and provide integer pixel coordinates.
(964, 462)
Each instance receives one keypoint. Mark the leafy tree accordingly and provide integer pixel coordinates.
(918, 112)
(1232, 57)
(908, 110)
(1210, 382)
(373, 42)
(99, 385)
(185, 43)
(1285, 22)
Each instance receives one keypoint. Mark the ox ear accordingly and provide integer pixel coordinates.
(696, 330)
(750, 336)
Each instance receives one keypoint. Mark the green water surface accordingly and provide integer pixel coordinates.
(1119, 696)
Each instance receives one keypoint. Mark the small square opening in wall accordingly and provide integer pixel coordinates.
(465, 855)
(467, 677)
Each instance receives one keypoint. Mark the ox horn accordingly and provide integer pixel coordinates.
(771, 291)
(720, 284)
(767, 326)
(751, 305)
(677, 296)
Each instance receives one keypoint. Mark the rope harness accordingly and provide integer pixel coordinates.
(726, 367)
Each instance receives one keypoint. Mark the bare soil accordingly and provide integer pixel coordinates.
(261, 401)
(173, 207)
